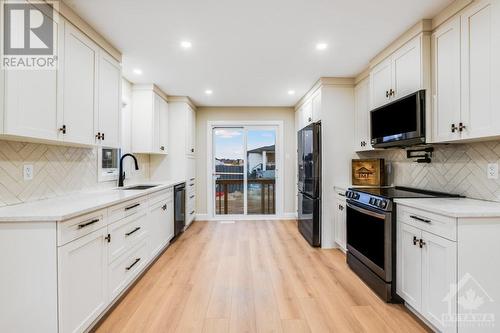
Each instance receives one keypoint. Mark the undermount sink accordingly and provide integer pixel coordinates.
(138, 187)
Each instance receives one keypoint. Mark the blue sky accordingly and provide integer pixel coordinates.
(229, 141)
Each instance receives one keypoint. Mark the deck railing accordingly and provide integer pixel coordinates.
(267, 195)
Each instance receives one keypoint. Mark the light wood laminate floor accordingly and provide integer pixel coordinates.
(253, 276)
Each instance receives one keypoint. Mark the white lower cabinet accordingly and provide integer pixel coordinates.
(161, 224)
(340, 223)
(126, 268)
(427, 270)
(95, 266)
(439, 273)
(410, 265)
(83, 277)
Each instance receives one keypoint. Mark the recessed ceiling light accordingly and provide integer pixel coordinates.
(291, 92)
(208, 92)
(186, 44)
(137, 71)
(321, 46)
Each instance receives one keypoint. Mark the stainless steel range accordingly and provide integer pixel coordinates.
(371, 235)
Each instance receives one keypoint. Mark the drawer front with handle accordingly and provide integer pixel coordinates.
(127, 208)
(440, 225)
(80, 226)
(126, 268)
(126, 233)
(165, 195)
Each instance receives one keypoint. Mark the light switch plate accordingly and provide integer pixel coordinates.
(492, 171)
(28, 171)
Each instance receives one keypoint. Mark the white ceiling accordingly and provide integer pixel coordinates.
(249, 52)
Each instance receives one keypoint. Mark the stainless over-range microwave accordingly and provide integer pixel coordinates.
(400, 123)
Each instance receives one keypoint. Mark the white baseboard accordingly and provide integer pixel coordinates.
(284, 216)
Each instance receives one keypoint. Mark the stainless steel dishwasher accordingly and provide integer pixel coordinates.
(179, 208)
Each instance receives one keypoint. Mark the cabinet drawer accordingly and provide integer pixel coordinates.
(162, 196)
(126, 268)
(190, 186)
(127, 208)
(126, 233)
(440, 225)
(70, 230)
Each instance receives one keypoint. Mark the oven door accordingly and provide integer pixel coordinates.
(369, 238)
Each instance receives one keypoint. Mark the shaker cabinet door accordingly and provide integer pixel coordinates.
(446, 81)
(82, 282)
(80, 86)
(410, 265)
(109, 100)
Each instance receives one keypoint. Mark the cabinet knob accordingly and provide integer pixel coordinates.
(387, 94)
(162, 148)
(63, 129)
(192, 150)
(309, 119)
(164, 207)
(102, 136)
(453, 128)
(392, 92)
(415, 240)
(461, 127)
(98, 136)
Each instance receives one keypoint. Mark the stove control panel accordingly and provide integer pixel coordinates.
(369, 200)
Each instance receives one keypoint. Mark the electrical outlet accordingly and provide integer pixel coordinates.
(28, 171)
(493, 171)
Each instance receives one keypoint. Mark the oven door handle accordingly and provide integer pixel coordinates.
(366, 211)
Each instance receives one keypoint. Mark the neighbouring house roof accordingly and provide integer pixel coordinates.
(261, 149)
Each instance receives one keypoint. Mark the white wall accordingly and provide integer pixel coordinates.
(204, 115)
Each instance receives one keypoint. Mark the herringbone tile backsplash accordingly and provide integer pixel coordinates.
(455, 168)
(58, 171)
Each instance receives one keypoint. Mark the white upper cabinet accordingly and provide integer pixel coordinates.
(108, 126)
(446, 80)
(191, 131)
(30, 104)
(362, 116)
(466, 74)
(480, 25)
(381, 83)
(407, 69)
(149, 121)
(78, 103)
(316, 106)
(306, 112)
(163, 126)
(402, 73)
(79, 87)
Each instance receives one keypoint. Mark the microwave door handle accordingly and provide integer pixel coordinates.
(366, 211)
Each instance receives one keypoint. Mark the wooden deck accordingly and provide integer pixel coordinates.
(253, 276)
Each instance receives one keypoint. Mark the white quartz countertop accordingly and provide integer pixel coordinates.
(455, 207)
(72, 205)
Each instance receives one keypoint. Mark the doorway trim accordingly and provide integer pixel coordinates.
(279, 175)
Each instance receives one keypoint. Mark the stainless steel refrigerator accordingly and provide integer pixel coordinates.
(309, 183)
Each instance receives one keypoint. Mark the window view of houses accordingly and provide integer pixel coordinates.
(235, 149)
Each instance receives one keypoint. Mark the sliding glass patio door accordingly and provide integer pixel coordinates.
(244, 170)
